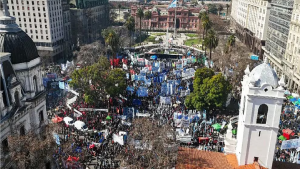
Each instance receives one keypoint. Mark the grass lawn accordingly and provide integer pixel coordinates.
(191, 35)
(158, 34)
(191, 42)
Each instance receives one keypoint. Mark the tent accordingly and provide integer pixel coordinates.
(217, 126)
(57, 119)
(108, 118)
(153, 57)
(287, 133)
(281, 138)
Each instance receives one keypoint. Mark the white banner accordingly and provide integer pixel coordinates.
(288, 144)
(92, 109)
(118, 139)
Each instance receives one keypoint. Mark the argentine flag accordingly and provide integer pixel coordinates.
(173, 4)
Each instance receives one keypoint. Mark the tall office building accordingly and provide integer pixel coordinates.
(277, 37)
(88, 18)
(42, 20)
(68, 45)
(292, 52)
(250, 20)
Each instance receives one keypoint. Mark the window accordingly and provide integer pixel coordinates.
(22, 131)
(17, 98)
(4, 145)
(262, 114)
(41, 116)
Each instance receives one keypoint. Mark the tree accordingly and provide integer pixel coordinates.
(113, 16)
(218, 24)
(227, 7)
(111, 39)
(202, 3)
(130, 25)
(115, 83)
(31, 149)
(209, 92)
(140, 14)
(148, 15)
(220, 8)
(89, 53)
(212, 8)
(156, 142)
(211, 41)
(119, 7)
(126, 16)
(230, 43)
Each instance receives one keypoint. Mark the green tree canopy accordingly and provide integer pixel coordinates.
(115, 83)
(98, 80)
(210, 91)
(212, 8)
(111, 39)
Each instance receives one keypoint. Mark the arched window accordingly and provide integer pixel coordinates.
(17, 99)
(22, 130)
(35, 84)
(262, 114)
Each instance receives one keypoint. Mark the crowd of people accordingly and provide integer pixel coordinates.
(156, 89)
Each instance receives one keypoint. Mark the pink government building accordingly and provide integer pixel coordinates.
(162, 18)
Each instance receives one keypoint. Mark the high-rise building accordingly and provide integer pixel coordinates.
(292, 52)
(250, 19)
(42, 20)
(67, 29)
(277, 37)
(88, 18)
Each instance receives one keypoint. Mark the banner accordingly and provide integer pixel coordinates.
(288, 144)
(61, 85)
(51, 76)
(165, 100)
(118, 139)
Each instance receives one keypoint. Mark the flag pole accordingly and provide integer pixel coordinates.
(175, 20)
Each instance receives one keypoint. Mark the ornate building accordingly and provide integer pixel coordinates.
(22, 95)
(163, 18)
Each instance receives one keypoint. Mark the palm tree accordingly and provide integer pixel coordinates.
(119, 6)
(211, 41)
(220, 8)
(206, 24)
(227, 7)
(130, 25)
(111, 39)
(140, 14)
(231, 40)
(148, 15)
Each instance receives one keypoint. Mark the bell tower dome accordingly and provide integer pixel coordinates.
(261, 103)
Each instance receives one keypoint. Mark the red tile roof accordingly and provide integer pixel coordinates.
(197, 159)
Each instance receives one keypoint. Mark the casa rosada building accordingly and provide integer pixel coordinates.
(162, 18)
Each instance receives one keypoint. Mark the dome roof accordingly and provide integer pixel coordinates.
(20, 45)
(264, 74)
(13, 40)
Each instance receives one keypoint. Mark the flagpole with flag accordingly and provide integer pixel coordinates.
(174, 5)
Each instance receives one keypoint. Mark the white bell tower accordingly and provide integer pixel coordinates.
(260, 108)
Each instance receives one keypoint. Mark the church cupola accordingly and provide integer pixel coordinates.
(261, 102)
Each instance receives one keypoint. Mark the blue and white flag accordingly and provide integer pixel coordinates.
(173, 4)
